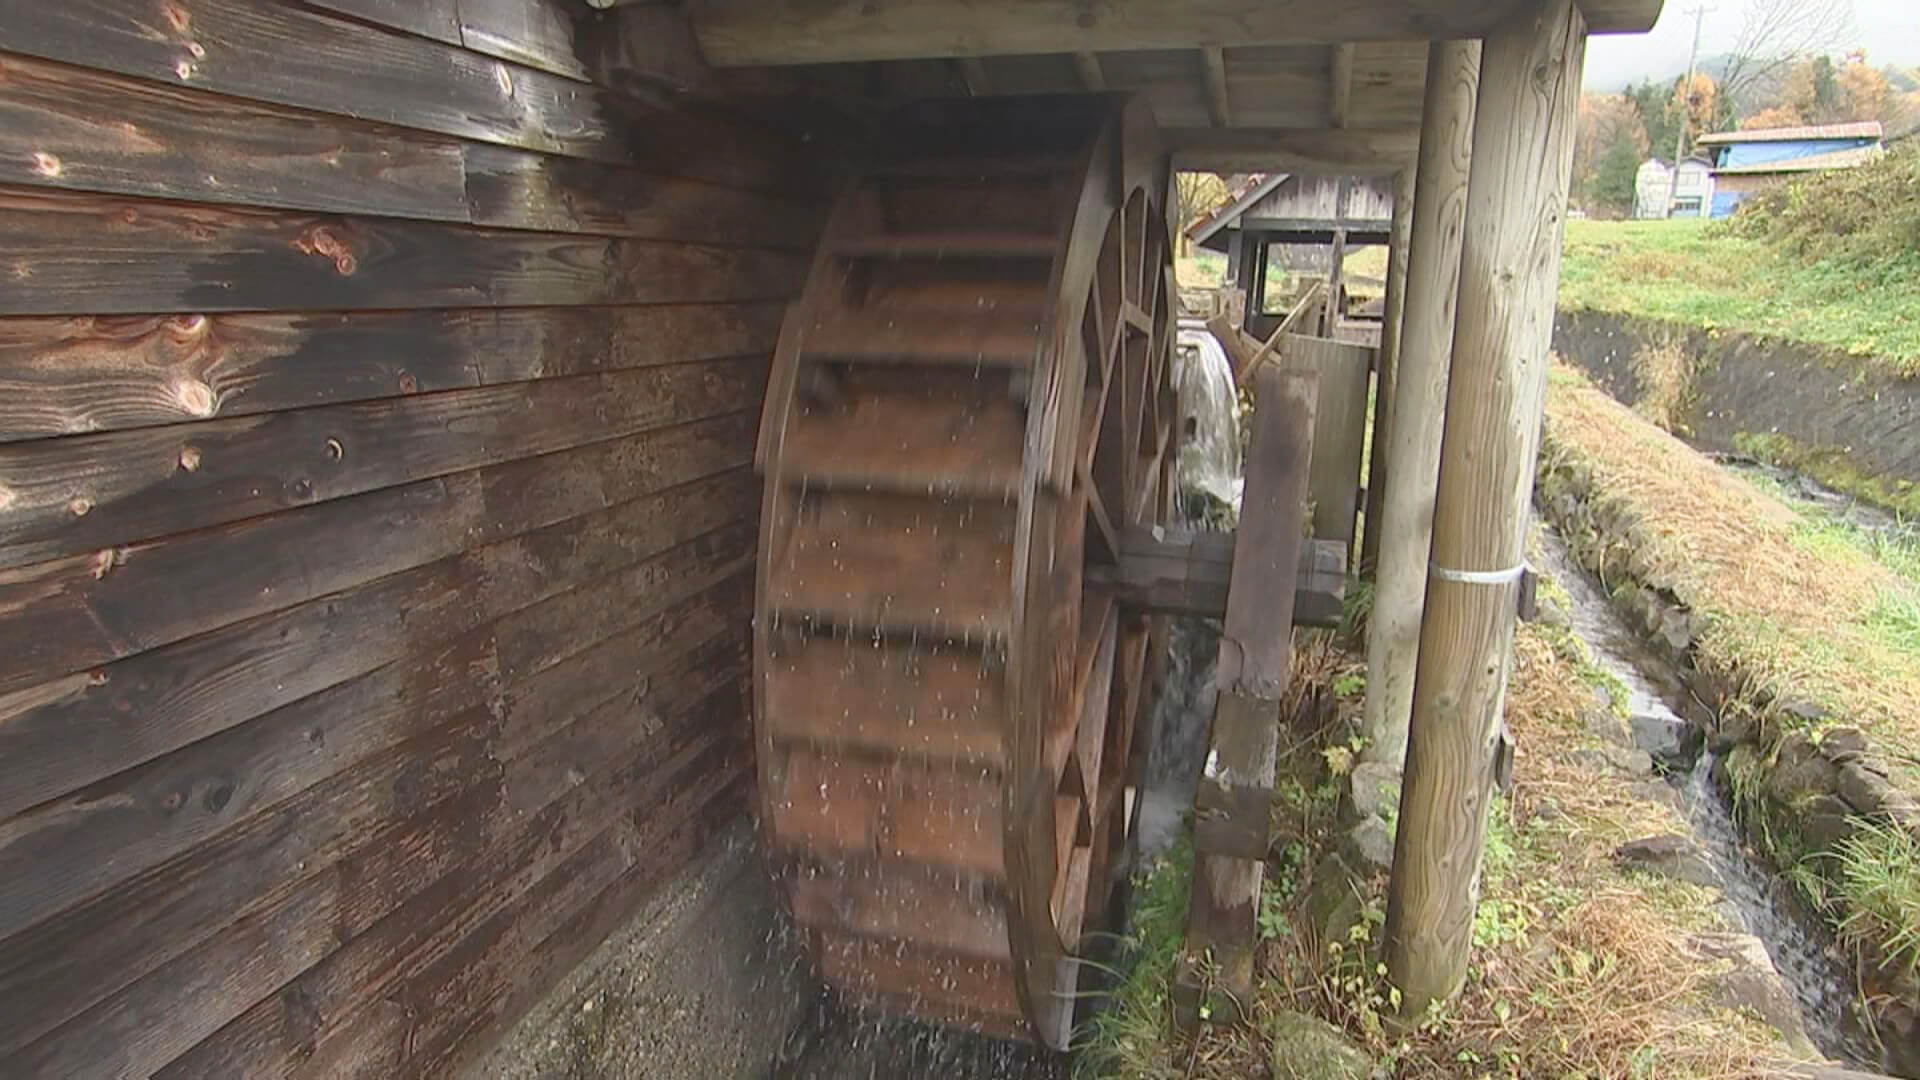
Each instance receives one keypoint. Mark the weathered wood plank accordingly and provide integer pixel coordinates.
(61, 735)
(90, 492)
(436, 19)
(538, 33)
(64, 850)
(1252, 673)
(95, 255)
(419, 913)
(241, 962)
(746, 32)
(502, 971)
(164, 912)
(83, 611)
(84, 130)
(171, 908)
(293, 56)
(64, 376)
(517, 189)
(1173, 572)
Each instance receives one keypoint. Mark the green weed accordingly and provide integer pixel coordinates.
(1880, 879)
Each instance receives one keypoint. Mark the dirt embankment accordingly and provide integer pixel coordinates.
(1801, 406)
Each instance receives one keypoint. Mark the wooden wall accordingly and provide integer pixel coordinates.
(377, 401)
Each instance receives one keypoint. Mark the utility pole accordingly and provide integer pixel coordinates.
(1686, 103)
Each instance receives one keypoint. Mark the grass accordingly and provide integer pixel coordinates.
(1795, 605)
(1578, 970)
(1880, 870)
(1703, 274)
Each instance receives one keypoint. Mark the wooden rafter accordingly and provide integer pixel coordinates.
(974, 73)
(1215, 59)
(735, 33)
(1088, 65)
(1340, 90)
(1348, 151)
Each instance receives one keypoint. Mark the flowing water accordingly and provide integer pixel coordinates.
(1756, 899)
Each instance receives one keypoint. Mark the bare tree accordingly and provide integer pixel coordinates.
(1774, 34)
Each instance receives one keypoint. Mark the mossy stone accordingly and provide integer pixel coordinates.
(1308, 1048)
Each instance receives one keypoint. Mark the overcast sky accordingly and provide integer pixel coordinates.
(1889, 29)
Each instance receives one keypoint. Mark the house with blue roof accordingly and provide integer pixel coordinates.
(1746, 161)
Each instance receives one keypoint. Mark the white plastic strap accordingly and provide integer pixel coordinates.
(1478, 577)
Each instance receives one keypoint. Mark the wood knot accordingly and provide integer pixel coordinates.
(189, 458)
(324, 242)
(188, 326)
(408, 384)
(184, 70)
(335, 451)
(505, 78)
(47, 164)
(195, 397)
(102, 563)
(79, 505)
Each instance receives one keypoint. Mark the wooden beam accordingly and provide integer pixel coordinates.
(1215, 60)
(1340, 90)
(1234, 800)
(974, 74)
(1412, 447)
(1176, 572)
(737, 33)
(1386, 372)
(643, 46)
(1340, 152)
(1509, 269)
(1088, 65)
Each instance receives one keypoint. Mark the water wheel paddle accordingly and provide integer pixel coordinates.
(969, 400)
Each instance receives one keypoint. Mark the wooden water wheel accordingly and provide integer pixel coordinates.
(968, 403)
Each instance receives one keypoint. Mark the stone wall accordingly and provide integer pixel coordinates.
(1798, 796)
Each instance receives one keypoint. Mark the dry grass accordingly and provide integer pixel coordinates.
(1578, 969)
(1664, 375)
(1795, 615)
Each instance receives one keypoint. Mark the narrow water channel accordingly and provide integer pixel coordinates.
(1756, 900)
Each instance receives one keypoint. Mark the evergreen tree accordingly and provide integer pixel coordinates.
(1613, 179)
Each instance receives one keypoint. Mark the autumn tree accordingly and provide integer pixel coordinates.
(1695, 106)
(1605, 121)
(1198, 193)
(1863, 89)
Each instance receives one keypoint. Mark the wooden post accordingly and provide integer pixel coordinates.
(1411, 451)
(1335, 274)
(1235, 797)
(1386, 376)
(1509, 269)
